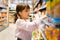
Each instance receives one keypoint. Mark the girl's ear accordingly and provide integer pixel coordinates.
(20, 13)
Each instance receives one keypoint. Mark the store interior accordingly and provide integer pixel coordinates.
(48, 10)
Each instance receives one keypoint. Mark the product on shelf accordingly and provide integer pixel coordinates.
(0, 18)
(43, 12)
(53, 8)
(0, 22)
(41, 37)
(59, 35)
(51, 33)
(11, 17)
(3, 14)
(57, 11)
(35, 33)
(56, 2)
(3, 19)
(50, 8)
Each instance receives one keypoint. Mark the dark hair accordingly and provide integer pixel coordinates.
(19, 8)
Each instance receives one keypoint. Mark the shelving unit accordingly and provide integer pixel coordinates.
(3, 19)
(2, 7)
(36, 3)
(3, 15)
(47, 27)
(41, 8)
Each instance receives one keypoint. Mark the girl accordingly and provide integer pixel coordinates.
(24, 28)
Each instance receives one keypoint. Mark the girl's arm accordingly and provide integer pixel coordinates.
(28, 26)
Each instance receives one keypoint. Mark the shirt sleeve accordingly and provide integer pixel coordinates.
(28, 26)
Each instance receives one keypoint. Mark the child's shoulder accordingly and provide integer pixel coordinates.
(19, 20)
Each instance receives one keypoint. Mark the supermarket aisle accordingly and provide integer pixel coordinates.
(8, 33)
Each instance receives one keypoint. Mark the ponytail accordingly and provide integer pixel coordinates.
(16, 17)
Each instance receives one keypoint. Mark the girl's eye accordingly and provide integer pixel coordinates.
(26, 10)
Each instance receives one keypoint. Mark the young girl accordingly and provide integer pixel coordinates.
(24, 28)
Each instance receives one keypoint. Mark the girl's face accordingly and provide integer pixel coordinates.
(24, 14)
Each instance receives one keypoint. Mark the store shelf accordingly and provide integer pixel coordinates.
(47, 23)
(2, 7)
(2, 20)
(41, 8)
(12, 10)
(2, 28)
(36, 4)
(42, 17)
(4, 17)
(0, 24)
(43, 34)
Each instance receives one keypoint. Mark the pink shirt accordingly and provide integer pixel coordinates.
(24, 28)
